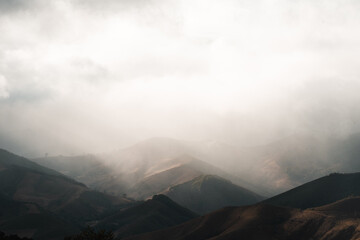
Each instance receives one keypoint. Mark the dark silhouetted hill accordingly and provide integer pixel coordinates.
(88, 169)
(209, 192)
(40, 202)
(158, 213)
(320, 192)
(263, 222)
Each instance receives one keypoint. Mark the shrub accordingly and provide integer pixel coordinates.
(90, 233)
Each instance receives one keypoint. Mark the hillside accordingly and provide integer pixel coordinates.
(49, 195)
(8, 160)
(142, 170)
(209, 192)
(294, 160)
(181, 169)
(319, 192)
(30, 220)
(146, 158)
(88, 169)
(262, 222)
(158, 213)
(161, 181)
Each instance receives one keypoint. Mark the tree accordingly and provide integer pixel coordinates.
(90, 233)
(3, 236)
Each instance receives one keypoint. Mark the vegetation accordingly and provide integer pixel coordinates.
(90, 233)
(3, 236)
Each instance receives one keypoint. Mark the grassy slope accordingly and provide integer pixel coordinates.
(262, 222)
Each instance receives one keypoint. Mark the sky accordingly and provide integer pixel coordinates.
(82, 76)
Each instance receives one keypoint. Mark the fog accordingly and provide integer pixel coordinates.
(94, 76)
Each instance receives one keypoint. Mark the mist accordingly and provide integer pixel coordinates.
(83, 76)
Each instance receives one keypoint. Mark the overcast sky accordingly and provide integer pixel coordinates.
(89, 76)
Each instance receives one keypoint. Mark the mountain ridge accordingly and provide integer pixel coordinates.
(320, 192)
(262, 221)
(207, 193)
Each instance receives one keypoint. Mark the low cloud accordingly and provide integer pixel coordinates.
(3, 87)
(80, 76)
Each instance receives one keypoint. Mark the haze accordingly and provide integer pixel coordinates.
(94, 76)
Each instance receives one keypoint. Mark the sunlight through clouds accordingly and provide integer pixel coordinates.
(152, 68)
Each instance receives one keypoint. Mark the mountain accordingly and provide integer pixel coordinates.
(345, 207)
(142, 170)
(180, 170)
(29, 219)
(162, 181)
(156, 155)
(25, 181)
(263, 222)
(288, 162)
(319, 192)
(116, 172)
(44, 195)
(158, 213)
(147, 157)
(8, 160)
(295, 160)
(268, 169)
(209, 192)
(88, 169)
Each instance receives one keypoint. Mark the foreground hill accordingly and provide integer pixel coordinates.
(29, 219)
(47, 196)
(260, 222)
(346, 207)
(322, 191)
(207, 193)
(158, 213)
(26, 181)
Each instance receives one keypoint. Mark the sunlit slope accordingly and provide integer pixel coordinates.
(141, 170)
(262, 222)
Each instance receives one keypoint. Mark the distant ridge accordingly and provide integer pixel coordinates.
(320, 192)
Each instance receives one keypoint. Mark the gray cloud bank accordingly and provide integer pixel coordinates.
(90, 76)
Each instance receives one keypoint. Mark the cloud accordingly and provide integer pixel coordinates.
(10, 6)
(3, 87)
(110, 72)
